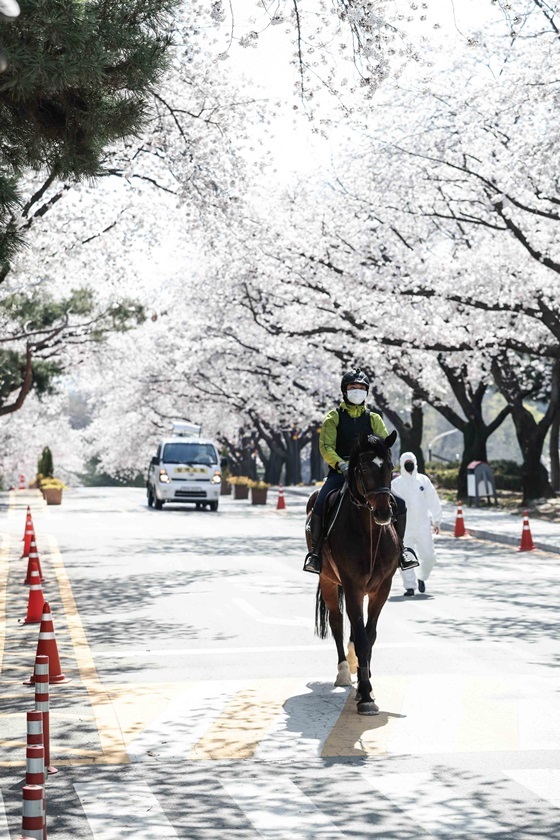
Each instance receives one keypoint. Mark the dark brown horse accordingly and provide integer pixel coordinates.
(360, 556)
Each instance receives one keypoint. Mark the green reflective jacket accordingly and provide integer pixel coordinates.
(327, 435)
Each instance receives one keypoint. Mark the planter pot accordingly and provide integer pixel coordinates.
(52, 495)
(241, 491)
(226, 488)
(258, 496)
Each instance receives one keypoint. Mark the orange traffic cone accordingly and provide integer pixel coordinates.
(46, 646)
(459, 522)
(22, 482)
(33, 556)
(281, 505)
(28, 533)
(526, 543)
(36, 599)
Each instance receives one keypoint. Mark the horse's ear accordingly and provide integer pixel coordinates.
(389, 441)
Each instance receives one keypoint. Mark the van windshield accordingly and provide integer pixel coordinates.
(189, 453)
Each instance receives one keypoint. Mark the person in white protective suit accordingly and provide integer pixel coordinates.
(424, 513)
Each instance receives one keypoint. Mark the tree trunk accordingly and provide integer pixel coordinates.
(316, 460)
(534, 475)
(530, 434)
(553, 449)
(293, 457)
(411, 434)
(409, 431)
(248, 463)
(475, 438)
(273, 468)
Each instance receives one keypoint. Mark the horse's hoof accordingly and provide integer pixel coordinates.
(344, 677)
(370, 708)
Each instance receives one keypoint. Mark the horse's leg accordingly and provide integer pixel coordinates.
(355, 610)
(376, 602)
(329, 591)
(351, 655)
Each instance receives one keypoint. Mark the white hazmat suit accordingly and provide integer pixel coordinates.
(423, 512)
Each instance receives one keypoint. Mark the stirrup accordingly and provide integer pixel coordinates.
(312, 563)
(404, 562)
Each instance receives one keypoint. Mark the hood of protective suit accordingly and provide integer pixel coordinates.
(409, 456)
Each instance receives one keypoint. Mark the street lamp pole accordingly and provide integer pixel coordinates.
(438, 437)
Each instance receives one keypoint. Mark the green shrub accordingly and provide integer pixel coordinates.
(507, 475)
(443, 475)
(45, 465)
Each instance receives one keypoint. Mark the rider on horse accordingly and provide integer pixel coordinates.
(339, 433)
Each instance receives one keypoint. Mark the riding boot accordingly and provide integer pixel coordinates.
(407, 556)
(313, 562)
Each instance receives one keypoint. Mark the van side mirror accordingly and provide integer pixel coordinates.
(224, 463)
(155, 461)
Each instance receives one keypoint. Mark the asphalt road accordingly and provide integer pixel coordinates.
(201, 704)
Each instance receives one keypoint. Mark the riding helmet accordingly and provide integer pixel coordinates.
(354, 377)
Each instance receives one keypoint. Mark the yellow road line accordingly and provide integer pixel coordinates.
(355, 734)
(4, 569)
(68, 751)
(96, 758)
(243, 723)
(110, 734)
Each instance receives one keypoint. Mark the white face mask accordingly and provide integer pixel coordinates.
(356, 396)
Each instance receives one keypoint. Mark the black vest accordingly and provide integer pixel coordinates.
(348, 430)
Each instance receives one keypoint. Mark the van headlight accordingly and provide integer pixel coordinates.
(163, 477)
(216, 479)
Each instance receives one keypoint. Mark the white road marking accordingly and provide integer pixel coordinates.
(4, 830)
(184, 721)
(249, 609)
(545, 783)
(431, 715)
(132, 653)
(117, 811)
(538, 714)
(305, 723)
(432, 805)
(280, 811)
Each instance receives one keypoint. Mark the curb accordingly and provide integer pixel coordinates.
(477, 533)
(492, 536)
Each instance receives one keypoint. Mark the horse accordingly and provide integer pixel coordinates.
(360, 556)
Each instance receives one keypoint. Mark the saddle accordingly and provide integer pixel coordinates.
(332, 507)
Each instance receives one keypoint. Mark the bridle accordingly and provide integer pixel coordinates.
(361, 485)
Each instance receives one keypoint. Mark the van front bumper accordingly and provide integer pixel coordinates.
(188, 491)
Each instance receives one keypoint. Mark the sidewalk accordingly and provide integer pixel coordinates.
(485, 523)
(502, 526)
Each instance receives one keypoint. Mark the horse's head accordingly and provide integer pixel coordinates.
(369, 475)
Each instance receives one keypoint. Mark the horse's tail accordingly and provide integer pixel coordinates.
(322, 613)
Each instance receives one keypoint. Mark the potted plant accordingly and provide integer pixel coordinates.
(240, 486)
(259, 490)
(52, 488)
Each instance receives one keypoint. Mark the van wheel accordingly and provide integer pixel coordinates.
(213, 505)
(158, 504)
(150, 497)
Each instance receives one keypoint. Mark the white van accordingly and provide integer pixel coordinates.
(185, 468)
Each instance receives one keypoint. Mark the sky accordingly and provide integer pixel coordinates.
(266, 69)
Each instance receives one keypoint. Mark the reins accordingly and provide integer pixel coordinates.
(365, 503)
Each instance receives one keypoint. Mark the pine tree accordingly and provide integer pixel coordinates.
(79, 78)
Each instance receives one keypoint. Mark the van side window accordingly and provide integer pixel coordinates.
(158, 453)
